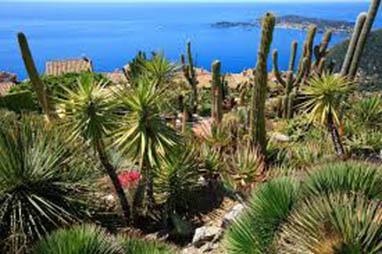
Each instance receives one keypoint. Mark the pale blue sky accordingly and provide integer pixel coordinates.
(182, 1)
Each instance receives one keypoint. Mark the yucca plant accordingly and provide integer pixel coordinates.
(89, 114)
(177, 180)
(324, 98)
(83, 239)
(142, 133)
(43, 183)
(333, 224)
(159, 70)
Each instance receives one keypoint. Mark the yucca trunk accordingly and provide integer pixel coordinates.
(111, 171)
(338, 146)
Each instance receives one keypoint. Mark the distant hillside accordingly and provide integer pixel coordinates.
(371, 62)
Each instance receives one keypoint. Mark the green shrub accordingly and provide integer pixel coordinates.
(43, 183)
(84, 239)
(337, 209)
(19, 102)
(89, 239)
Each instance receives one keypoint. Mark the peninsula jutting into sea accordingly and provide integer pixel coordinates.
(295, 22)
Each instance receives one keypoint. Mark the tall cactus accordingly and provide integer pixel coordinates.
(291, 79)
(190, 75)
(353, 43)
(367, 26)
(217, 93)
(37, 84)
(321, 50)
(259, 91)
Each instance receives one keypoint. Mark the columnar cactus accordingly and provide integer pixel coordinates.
(321, 50)
(37, 84)
(190, 75)
(259, 91)
(291, 80)
(217, 93)
(353, 43)
(367, 26)
(308, 49)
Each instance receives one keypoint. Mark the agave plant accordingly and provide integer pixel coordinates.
(89, 113)
(43, 183)
(142, 133)
(244, 166)
(140, 246)
(337, 209)
(324, 99)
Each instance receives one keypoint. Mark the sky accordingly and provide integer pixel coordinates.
(182, 1)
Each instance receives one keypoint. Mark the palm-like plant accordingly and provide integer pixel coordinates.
(337, 209)
(42, 183)
(88, 112)
(159, 70)
(142, 132)
(324, 98)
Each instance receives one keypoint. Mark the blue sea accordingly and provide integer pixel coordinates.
(112, 33)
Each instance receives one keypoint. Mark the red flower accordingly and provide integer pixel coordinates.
(129, 178)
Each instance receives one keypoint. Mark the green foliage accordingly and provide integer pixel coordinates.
(140, 246)
(85, 239)
(337, 223)
(345, 177)
(89, 239)
(19, 102)
(142, 132)
(324, 96)
(55, 85)
(367, 113)
(365, 143)
(337, 209)
(177, 180)
(43, 183)
(243, 167)
(268, 207)
(87, 108)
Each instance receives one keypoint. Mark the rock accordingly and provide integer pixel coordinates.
(7, 77)
(232, 215)
(190, 250)
(206, 234)
(280, 137)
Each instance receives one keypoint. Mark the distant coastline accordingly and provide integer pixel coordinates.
(294, 22)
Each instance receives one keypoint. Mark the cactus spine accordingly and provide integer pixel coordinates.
(259, 91)
(367, 26)
(217, 93)
(190, 75)
(37, 84)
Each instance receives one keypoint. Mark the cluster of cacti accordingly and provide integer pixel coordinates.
(358, 41)
(292, 80)
(38, 85)
(217, 93)
(259, 91)
(190, 75)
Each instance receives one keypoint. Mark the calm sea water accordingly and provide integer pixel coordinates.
(111, 34)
